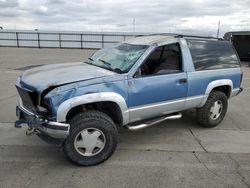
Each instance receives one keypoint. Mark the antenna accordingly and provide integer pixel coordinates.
(134, 26)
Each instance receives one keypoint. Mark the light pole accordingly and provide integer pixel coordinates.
(218, 30)
(134, 26)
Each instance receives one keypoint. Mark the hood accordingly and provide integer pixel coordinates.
(47, 76)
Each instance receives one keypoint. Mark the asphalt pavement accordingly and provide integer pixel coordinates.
(176, 153)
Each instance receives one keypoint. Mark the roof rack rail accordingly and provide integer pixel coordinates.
(195, 36)
(176, 35)
(167, 34)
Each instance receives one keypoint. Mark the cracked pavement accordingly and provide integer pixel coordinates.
(176, 153)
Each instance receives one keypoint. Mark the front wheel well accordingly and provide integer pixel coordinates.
(110, 108)
(226, 89)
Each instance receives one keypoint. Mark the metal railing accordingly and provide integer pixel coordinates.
(39, 39)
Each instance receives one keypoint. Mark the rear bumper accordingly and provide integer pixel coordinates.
(52, 129)
(236, 92)
(240, 90)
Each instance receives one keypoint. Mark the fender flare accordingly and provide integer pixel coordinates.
(67, 105)
(214, 84)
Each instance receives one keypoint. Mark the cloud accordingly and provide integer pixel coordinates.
(191, 16)
(8, 3)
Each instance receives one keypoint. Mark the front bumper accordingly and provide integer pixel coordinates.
(52, 129)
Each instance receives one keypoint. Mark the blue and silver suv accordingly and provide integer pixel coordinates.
(135, 84)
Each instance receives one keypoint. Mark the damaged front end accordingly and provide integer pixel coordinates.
(42, 90)
(37, 119)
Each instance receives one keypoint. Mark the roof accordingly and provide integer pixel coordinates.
(148, 39)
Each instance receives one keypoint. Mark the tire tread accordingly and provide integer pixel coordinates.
(202, 113)
(82, 119)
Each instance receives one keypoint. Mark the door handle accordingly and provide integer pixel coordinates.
(183, 81)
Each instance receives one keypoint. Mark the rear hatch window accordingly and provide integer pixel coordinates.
(212, 54)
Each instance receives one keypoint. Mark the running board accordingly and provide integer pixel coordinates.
(154, 121)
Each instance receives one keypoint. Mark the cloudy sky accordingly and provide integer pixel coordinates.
(182, 16)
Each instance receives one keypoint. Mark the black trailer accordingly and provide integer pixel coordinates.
(241, 42)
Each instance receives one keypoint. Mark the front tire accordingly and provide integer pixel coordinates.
(214, 110)
(92, 139)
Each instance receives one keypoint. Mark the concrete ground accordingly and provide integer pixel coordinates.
(172, 154)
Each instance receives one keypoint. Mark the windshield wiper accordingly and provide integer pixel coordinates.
(107, 65)
(117, 70)
(105, 62)
(88, 62)
(90, 59)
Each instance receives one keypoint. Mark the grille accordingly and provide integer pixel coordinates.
(28, 96)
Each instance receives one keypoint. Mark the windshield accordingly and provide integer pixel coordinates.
(119, 58)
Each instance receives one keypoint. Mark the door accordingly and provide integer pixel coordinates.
(159, 86)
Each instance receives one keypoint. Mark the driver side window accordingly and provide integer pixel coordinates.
(163, 60)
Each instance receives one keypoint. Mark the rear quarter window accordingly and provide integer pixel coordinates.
(212, 54)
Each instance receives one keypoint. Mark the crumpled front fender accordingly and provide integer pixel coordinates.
(65, 107)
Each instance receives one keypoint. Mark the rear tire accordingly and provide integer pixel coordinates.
(214, 110)
(92, 139)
